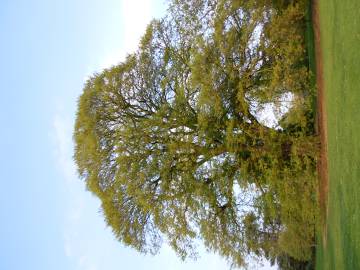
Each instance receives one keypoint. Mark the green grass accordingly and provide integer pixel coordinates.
(340, 33)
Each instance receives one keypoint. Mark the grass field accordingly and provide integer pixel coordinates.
(340, 38)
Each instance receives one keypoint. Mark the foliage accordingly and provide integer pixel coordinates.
(171, 142)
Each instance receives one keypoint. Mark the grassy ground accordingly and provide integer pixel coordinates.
(340, 37)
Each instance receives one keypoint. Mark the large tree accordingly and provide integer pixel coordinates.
(172, 143)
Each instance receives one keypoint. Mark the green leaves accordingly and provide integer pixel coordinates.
(170, 143)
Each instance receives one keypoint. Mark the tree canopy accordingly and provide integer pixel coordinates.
(172, 143)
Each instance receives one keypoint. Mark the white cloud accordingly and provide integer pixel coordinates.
(68, 248)
(136, 15)
(84, 262)
(74, 190)
(62, 129)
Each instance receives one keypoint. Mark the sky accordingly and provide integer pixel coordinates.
(47, 50)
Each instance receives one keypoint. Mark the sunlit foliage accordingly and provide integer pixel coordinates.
(171, 142)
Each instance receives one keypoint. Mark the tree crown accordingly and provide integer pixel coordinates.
(171, 142)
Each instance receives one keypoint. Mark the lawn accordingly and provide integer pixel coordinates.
(340, 38)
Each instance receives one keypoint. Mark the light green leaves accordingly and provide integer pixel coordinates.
(169, 141)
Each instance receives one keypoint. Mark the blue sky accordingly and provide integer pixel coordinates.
(47, 50)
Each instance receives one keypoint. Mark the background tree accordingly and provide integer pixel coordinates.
(171, 142)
